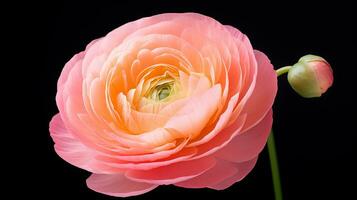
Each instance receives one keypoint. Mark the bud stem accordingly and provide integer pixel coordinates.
(283, 70)
(274, 166)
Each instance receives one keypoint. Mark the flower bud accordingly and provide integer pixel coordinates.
(311, 76)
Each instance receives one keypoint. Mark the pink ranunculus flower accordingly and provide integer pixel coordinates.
(169, 99)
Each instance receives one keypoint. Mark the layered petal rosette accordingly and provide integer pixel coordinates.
(169, 99)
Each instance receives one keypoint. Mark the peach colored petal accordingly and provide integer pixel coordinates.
(115, 37)
(211, 33)
(221, 171)
(249, 144)
(117, 185)
(175, 24)
(173, 173)
(105, 45)
(262, 98)
(72, 63)
(153, 156)
(197, 84)
(159, 136)
(193, 117)
(158, 49)
(71, 149)
(68, 67)
(115, 137)
(222, 120)
(244, 69)
(144, 56)
(236, 71)
(187, 121)
(70, 103)
(117, 165)
(249, 68)
(138, 122)
(98, 101)
(147, 121)
(225, 136)
(235, 32)
(235, 78)
(242, 171)
(191, 85)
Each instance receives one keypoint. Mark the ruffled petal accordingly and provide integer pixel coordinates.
(173, 173)
(117, 185)
(249, 144)
(262, 98)
(193, 116)
(70, 148)
(243, 170)
(221, 171)
(221, 176)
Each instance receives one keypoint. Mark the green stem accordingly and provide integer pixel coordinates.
(283, 70)
(274, 167)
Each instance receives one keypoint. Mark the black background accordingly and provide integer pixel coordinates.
(315, 138)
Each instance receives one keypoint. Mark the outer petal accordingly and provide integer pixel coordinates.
(249, 144)
(67, 69)
(118, 166)
(224, 137)
(70, 149)
(221, 171)
(117, 185)
(64, 77)
(262, 98)
(173, 173)
(223, 175)
(243, 170)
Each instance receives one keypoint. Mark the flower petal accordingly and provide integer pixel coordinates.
(117, 185)
(193, 116)
(215, 175)
(223, 138)
(249, 144)
(262, 98)
(173, 173)
(69, 148)
(117, 165)
(243, 170)
(221, 176)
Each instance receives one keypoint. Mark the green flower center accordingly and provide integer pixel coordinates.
(162, 91)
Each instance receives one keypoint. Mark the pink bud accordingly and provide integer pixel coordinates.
(311, 76)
